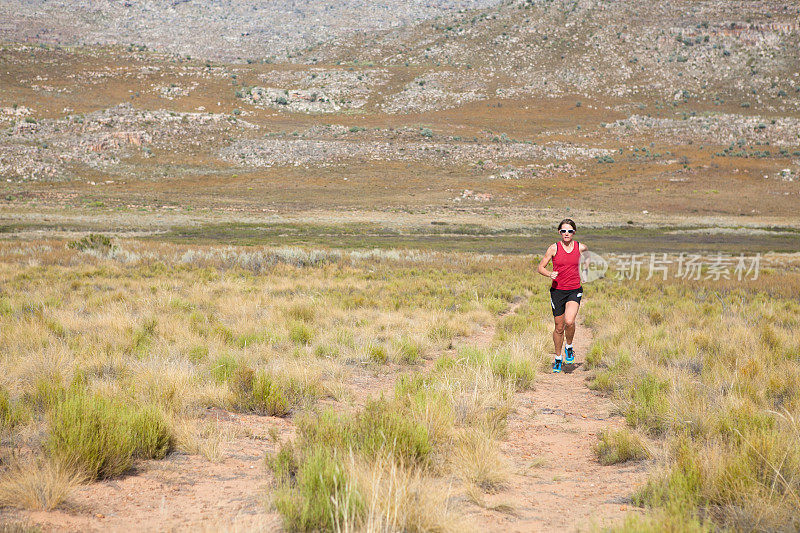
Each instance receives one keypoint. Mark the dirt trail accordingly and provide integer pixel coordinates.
(557, 482)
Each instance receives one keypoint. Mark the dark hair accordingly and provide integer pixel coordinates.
(567, 221)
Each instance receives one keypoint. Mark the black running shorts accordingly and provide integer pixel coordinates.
(560, 297)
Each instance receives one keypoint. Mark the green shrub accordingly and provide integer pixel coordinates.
(326, 351)
(663, 520)
(380, 428)
(610, 379)
(441, 332)
(197, 353)
(224, 368)
(6, 408)
(142, 338)
(618, 447)
(11, 412)
(514, 323)
(101, 436)
(410, 352)
(152, 434)
(519, 372)
(47, 392)
(6, 309)
(409, 384)
(324, 499)
(680, 488)
(224, 332)
(300, 333)
(603, 381)
(647, 407)
(268, 394)
(284, 464)
(377, 353)
(94, 434)
(377, 429)
(93, 241)
(444, 362)
(249, 339)
(594, 357)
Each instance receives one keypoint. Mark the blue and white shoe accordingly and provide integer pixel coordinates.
(570, 355)
(557, 366)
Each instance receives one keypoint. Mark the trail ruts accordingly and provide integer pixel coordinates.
(557, 482)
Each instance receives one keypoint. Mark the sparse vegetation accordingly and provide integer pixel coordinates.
(725, 406)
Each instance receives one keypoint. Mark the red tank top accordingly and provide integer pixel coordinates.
(566, 264)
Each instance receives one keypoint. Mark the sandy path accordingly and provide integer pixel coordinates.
(557, 482)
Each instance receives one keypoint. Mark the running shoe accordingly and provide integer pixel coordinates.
(570, 353)
(557, 366)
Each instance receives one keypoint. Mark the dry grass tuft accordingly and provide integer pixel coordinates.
(205, 439)
(39, 485)
(402, 498)
(477, 460)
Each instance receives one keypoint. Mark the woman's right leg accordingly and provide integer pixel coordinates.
(558, 335)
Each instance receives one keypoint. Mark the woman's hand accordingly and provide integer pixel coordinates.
(553, 274)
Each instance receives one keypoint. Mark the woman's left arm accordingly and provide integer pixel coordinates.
(582, 247)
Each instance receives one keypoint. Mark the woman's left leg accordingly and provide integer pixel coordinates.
(570, 314)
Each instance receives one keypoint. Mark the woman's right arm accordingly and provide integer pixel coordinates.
(551, 251)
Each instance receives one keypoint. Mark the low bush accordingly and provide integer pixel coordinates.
(517, 371)
(93, 241)
(267, 393)
(224, 368)
(11, 413)
(379, 428)
(377, 353)
(323, 497)
(409, 351)
(647, 406)
(315, 490)
(153, 437)
(100, 437)
(300, 333)
(618, 447)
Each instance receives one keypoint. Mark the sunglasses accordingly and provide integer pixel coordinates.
(567, 230)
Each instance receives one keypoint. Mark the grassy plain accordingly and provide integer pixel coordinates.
(113, 352)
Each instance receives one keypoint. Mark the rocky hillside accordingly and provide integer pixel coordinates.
(703, 50)
(685, 108)
(225, 30)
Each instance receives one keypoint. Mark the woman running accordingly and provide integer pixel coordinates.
(565, 291)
